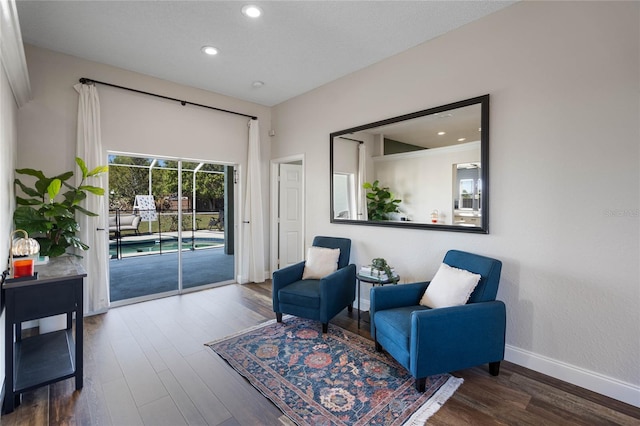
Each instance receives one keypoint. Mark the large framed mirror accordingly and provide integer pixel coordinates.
(426, 170)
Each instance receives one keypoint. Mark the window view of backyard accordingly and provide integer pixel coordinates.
(168, 230)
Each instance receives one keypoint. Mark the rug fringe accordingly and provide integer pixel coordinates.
(420, 417)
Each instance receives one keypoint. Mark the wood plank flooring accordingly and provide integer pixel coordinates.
(146, 364)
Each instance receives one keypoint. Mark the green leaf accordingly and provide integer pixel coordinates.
(31, 172)
(74, 241)
(98, 170)
(29, 191)
(64, 176)
(85, 211)
(54, 188)
(54, 250)
(58, 210)
(42, 185)
(80, 162)
(27, 201)
(92, 189)
(31, 220)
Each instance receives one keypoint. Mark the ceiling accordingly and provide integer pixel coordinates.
(294, 47)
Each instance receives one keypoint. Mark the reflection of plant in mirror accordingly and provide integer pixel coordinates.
(380, 201)
(54, 220)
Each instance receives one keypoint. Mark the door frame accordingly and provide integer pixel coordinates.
(275, 196)
(236, 218)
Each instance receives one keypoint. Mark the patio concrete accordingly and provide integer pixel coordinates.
(137, 276)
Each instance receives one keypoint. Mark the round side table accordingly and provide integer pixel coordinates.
(374, 281)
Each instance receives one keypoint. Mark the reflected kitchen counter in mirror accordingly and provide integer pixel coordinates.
(427, 169)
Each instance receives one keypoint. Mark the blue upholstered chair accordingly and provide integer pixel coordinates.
(433, 341)
(317, 299)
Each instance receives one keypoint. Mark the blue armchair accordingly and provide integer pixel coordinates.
(317, 299)
(433, 341)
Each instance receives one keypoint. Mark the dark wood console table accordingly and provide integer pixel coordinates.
(43, 359)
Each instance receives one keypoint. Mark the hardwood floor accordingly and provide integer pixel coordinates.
(146, 364)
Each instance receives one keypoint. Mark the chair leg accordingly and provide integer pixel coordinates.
(494, 368)
(420, 384)
(325, 327)
(279, 316)
(350, 307)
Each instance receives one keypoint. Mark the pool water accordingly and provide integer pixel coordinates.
(153, 247)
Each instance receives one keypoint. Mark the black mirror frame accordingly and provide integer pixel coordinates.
(484, 173)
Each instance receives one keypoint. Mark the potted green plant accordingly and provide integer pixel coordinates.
(380, 201)
(380, 264)
(49, 214)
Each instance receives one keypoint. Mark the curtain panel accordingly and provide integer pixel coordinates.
(253, 258)
(93, 230)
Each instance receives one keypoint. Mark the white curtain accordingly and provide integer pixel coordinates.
(253, 258)
(89, 148)
(362, 193)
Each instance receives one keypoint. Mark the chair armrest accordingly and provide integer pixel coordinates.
(475, 330)
(285, 276)
(282, 278)
(339, 285)
(395, 296)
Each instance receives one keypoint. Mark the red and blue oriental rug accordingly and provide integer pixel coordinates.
(333, 379)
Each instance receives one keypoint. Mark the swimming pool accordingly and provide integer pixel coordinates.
(133, 248)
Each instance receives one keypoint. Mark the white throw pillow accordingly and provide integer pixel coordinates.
(449, 287)
(321, 261)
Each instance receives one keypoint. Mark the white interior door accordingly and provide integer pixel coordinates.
(290, 214)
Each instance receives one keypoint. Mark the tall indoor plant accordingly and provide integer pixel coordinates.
(49, 214)
(380, 201)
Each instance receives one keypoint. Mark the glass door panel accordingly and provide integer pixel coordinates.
(205, 260)
(143, 253)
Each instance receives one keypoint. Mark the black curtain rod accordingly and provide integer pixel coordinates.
(84, 80)
(353, 140)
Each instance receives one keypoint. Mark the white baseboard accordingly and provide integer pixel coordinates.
(364, 304)
(241, 279)
(596, 382)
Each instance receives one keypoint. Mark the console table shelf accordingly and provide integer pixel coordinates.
(40, 360)
(44, 359)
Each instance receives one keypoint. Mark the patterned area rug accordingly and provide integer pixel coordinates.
(331, 379)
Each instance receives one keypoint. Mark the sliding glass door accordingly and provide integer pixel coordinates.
(168, 227)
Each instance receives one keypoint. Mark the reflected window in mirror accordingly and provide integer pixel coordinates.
(467, 207)
(434, 160)
(344, 195)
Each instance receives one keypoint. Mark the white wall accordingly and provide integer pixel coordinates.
(8, 138)
(564, 215)
(132, 122)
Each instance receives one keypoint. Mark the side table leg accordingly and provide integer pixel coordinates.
(358, 303)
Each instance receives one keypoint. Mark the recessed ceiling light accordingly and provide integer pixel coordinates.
(252, 11)
(209, 50)
(257, 84)
(462, 139)
(442, 133)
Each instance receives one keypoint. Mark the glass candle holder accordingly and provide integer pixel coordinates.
(22, 268)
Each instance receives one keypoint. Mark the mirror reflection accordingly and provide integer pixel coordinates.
(428, 169)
